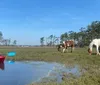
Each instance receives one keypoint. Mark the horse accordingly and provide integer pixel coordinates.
(65, 45)
(94, 42)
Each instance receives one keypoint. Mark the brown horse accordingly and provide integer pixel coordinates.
(65, 45)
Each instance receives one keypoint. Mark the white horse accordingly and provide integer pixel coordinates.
(95, 42)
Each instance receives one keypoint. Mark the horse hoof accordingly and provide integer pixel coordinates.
(90, 54)
(98, 54)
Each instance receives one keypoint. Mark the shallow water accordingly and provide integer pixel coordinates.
(22, 73)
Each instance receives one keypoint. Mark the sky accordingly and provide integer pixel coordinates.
(28, 20)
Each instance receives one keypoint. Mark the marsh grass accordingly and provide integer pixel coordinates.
(80, 56)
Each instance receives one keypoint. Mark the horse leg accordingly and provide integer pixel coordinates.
(73, 48)
(64, 50)
(97, 50)
(65, 47)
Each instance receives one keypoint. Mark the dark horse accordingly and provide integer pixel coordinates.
(65, 45)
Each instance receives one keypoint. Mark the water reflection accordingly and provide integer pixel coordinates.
(2, 67)
(22, 73)
(11, 62)
(59, 71)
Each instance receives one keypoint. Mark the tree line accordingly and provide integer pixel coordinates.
(83, 37)
(6, 42)
(49, 41)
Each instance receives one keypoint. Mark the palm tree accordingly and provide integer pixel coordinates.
(9, 41)
(1, 35)
(51, 39)
(42, 41)
(64, 37)
(71, 34)
(54, 39)
(14, 42)
(58, 40)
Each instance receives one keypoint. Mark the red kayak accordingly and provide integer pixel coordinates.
(2, 58)
(2, 67)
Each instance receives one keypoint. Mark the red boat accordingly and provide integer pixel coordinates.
(2, 58)
(2, 67)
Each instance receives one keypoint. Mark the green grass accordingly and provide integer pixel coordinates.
(80, 56)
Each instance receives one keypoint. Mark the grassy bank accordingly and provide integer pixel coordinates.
(91, 63)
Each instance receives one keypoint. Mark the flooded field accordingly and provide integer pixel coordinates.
(22, 73)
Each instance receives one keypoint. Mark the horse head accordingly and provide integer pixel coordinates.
(89, 51)
(60, 46)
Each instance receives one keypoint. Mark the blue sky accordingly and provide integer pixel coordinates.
(28, 20)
